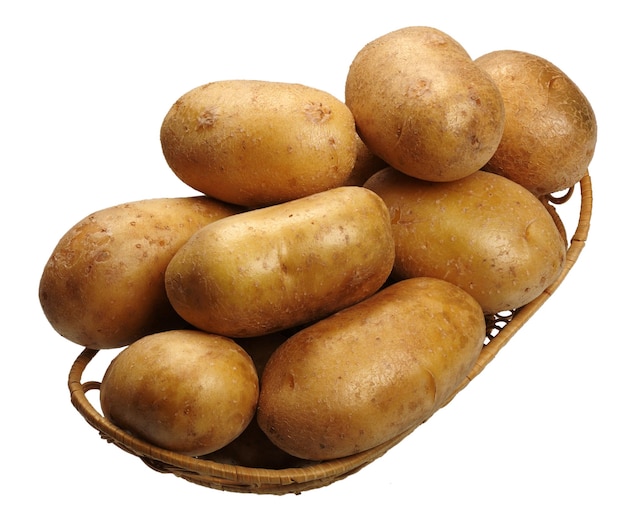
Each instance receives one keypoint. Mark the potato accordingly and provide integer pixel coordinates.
(103, 285)
(277, 267)
(423, 106)
(550, 129)
(261, 347)
(252, 448)
(258, 143)
(370, 372)
(182, 390)
(365, 166)
(484, 233)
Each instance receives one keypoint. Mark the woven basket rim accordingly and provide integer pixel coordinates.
(297, 479)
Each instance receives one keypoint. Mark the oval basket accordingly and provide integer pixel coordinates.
(296, 479)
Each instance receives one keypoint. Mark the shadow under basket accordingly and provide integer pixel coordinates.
(299, 477)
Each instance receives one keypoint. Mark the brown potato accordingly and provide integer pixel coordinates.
(281, 266)
(370, 372)
(484, 233)
(365, 166)
(252, 448)
(261, 347)
(103, 285)
(550, 129)
(182, 390)
(423, 106)
(257, 143)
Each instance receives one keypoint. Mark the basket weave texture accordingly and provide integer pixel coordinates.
(221, 476)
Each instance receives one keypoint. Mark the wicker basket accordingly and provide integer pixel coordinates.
(296, 479)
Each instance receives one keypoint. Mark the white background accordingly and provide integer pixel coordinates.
(84, 88)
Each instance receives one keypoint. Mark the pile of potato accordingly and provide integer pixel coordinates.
(327, 289)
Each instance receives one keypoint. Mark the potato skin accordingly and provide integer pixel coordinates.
(423, 106)
(484, 233)
(103, 285)
(258, 143)
(365, 166)
(550, 128)
(281, 266)
(369, 372)
(252, 448)
(182, 390)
